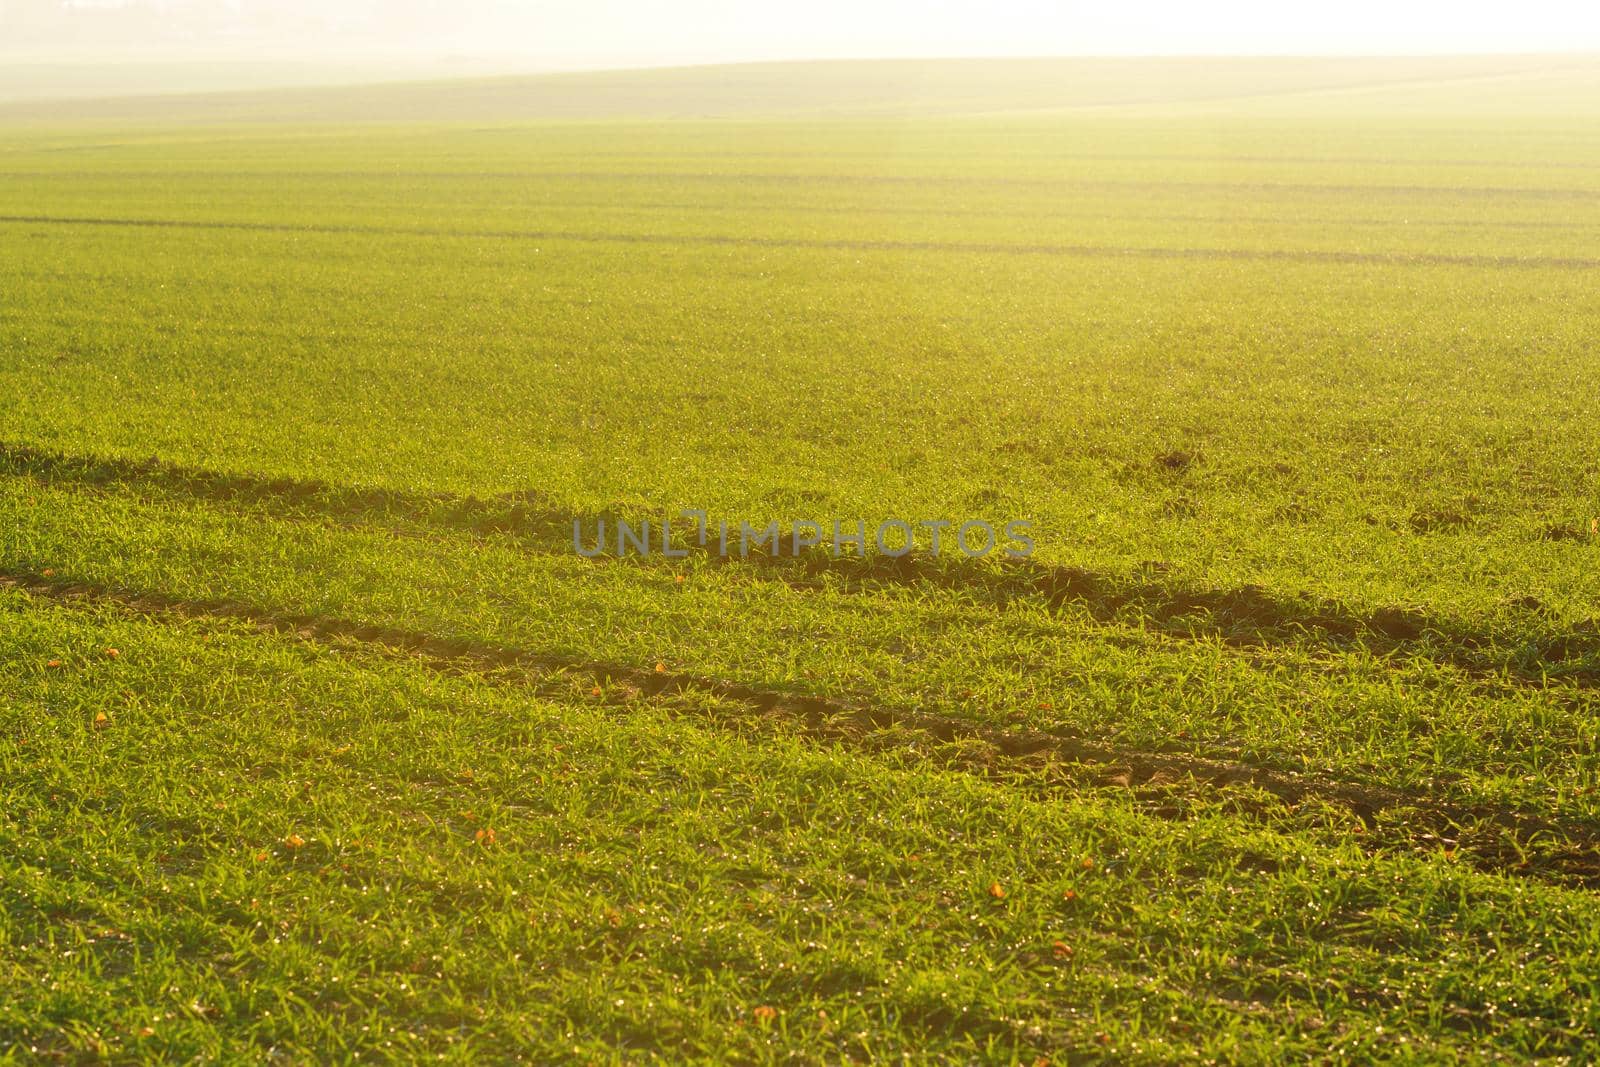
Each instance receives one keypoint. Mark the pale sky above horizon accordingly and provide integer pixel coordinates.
(637, 32)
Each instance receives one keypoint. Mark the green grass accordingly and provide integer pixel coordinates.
(1295, 381)
(651, 884)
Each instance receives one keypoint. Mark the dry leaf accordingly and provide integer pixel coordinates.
(997, 891)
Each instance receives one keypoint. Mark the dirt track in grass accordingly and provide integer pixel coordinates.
(1246, 616)
(1167, 784)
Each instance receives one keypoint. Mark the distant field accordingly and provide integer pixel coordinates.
(1282, 745)
(31, 81)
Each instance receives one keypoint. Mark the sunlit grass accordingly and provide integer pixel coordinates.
(318, 740)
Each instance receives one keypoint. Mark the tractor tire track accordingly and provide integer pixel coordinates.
(1243, 617)
(1497, 840)
(845, 244)
(929, 181)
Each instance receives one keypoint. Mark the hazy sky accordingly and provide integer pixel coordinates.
(639, 32)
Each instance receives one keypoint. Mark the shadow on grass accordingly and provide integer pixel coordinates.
(1245, 616)
(1494, 838)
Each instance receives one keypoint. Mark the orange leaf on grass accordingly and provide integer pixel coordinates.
(294, 841)
(997, 891)
(765, 1013)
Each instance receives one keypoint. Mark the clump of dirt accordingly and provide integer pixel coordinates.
(1177, 460)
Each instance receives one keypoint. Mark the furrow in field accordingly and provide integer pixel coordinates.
(1247, 616)
(748, 157)
(1045, 182)
(1228, 214)
(999, 181)
(840, 244)
(1498, 840)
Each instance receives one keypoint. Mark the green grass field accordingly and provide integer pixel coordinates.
(318, 741)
